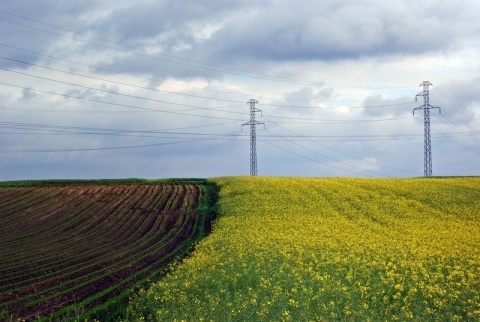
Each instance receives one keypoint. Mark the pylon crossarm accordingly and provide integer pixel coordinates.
(419, 94)
(417, 108)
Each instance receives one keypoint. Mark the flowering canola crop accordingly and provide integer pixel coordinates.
(300, 249)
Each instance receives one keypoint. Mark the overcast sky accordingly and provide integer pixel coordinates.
(159, 89)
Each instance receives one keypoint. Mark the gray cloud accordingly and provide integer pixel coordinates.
(242, 33)
(310, 30)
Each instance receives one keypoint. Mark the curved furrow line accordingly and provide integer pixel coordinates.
(26, 198)
(88, 257)
(95, 255)
(130, 258)
(59, 227)
(9, 196)
(77, 275)
(70, 248)
(24, 210)
(46, 236)
(178, 201)
(48, 227)
(95, 242)
(172, 198)
(126, 281)
(56, 241)
(192, 194)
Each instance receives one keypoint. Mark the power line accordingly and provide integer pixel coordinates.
(172, 103)
(265, 77)
(121, 73)
(178, 93)
(311, 159)
(453, 103)
(124, 105)
(105, 80)
(94, 130)
(456, 142)
(116, 93)
(454, 125)
(309, 138)
(334, 121)
(323, 107)
(109, 148)
(457, 127)
(227, 69)
(177, 84)
(296, 137)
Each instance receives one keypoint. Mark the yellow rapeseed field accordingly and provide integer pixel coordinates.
(301, 249)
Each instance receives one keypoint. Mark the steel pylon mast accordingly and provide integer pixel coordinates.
(426, 107)
(253, 136)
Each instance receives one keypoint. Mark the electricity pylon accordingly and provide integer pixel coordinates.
(426, 107)
(253, 136)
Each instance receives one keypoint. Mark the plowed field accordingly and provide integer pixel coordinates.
(81, 245)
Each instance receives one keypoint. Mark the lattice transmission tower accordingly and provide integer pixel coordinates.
(426, 107)
(253, 136)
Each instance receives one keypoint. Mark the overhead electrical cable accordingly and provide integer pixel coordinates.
(295, 136)
(326, 156)
(126, 74)
(353, 138)
(345, 106)
(457, 127)
(226, 70)
(451, 139)
(111, 81)
(269, 78)
(338, 151)
(109, 131)
(312, 159)
(341, 152)
(94, 130)
(117, 93)
(217, 109)
(126, 105)
(335, 121)
(452, 103)
(170, 92)
(108, 148)
(159, 131)
(458, 143)
(452, 123)
(181, 84)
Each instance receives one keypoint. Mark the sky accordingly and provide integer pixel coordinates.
(161, 89)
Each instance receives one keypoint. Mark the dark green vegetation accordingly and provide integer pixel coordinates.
(81, 247)
(99, 181)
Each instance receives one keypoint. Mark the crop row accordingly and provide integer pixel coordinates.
(65, 245)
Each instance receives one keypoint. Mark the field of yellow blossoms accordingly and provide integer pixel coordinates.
(300, 249)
